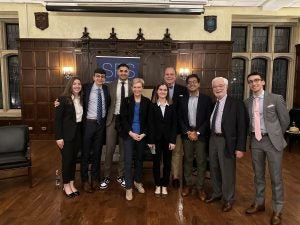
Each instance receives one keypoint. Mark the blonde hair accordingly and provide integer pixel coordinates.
(138, 80)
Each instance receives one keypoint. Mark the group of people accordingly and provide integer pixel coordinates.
(179, 124)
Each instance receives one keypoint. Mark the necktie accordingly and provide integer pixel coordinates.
(99, 106)
(122, 91)
(213, 121)
(257, 130)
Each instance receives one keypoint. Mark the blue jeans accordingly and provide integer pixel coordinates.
(133, 150)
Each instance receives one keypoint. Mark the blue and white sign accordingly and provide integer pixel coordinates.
(110, 64)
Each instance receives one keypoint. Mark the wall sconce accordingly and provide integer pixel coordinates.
(183, 73)
(67, 72)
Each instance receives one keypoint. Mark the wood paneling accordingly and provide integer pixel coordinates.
(297, 79)
(42, 61)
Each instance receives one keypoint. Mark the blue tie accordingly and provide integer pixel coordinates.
(99, 106)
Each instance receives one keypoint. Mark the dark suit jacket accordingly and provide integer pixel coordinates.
(65, 120)
(179, 92)
(234, 126)
(127, 114)
(86, 96)
(162, 126)
(204, 109)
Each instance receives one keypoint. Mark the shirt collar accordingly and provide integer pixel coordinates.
(120, 81)
(160, 104)
(260, 96)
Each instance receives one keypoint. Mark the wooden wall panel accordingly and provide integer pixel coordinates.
(42, 61)
(28, 76)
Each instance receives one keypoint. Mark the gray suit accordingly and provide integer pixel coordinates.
(111, 133)
(270, 147)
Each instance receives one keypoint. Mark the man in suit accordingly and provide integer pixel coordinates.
(269, 120)
(194, 113)
(176, 92)
(96, 101)
(227, 142)
(118, 90)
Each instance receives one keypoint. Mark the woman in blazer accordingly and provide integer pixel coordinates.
(133, 115)
(162, 136)
(68, 117)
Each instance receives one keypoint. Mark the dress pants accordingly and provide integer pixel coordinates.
(92, 147)
(111, 141)
(222, 169)
(69, 156)
(162, 151)
(177, 158)
(133, 151)
(260, 151)
(194, 149)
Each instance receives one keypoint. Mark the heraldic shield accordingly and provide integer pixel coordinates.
(41, 20)
(210, 23)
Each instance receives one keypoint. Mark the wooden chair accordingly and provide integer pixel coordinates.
(15, 149)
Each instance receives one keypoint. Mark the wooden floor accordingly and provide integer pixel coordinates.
(43, 204)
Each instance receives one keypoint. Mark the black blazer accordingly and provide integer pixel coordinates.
(86, 96)
(162, 127)
(65, 120)
(127, 114)
(204, 109)
(234, 126)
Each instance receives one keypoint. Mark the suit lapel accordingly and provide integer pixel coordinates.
(250, 107)
(226, 109)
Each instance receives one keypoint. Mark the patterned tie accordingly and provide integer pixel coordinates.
(213, 122)
(122, 91)
(99, 106)
(257, 130)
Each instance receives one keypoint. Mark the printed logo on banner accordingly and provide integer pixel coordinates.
(110, 64)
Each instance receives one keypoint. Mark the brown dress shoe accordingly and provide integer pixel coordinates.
(87, 187)
(276, 218)
(186, 191)
(227, 207)
(202, 195)
(254, 208)
(213, 199)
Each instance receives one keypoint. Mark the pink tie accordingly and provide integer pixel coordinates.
(257, 130)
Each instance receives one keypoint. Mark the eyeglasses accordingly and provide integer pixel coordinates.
(254, 81)
(99, 76)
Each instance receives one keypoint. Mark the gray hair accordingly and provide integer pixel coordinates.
(217, 78)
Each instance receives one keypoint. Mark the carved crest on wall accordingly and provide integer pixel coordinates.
(41, 20)
(210, 23)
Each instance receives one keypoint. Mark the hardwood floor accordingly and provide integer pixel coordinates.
(44, 204)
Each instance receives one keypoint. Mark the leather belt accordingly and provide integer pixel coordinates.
(91, 120)
(217, 134)
(262, 134)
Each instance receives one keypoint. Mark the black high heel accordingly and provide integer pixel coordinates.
(76, 193)
(71, 195)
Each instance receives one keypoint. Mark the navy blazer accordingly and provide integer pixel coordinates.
(162, 127)
(86, 96)
(234, 126)
(204, 109)
(65, 120)
(127, 115)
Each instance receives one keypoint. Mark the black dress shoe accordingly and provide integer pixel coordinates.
(227, 207)
(175, 183)
(213, 199)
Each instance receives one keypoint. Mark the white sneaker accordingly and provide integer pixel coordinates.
(139, 187)
(129, 194)
(164, 191)
(157, 191)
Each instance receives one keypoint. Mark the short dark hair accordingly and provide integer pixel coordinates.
(192, 76)
(122, 65)
(256, 74)
(100, 70)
